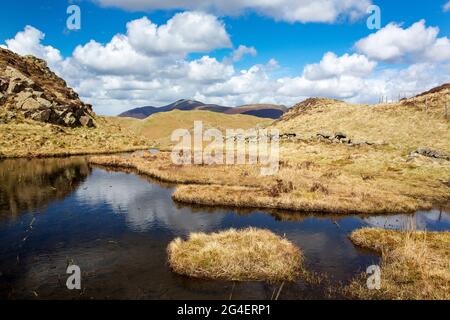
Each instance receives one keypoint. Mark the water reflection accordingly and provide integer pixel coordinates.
(434, 220)
(116, 227)
(144, 203)
(28, 185)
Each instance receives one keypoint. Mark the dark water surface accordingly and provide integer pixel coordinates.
(116, 227)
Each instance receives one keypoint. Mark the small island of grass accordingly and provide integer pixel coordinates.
(415, 264)
(236, 255)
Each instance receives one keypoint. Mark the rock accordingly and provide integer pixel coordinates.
(359, 143)
(15, 87)
(42, 116)
(340, 135)
(29, 87)
(430, 153)
(87, 122)
(4, 84)
(341, 138)
(70, 120)
(45, 103)
(287, 136)
(325, 135)
(29, 104)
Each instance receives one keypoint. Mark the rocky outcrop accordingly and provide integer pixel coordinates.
(29, 88)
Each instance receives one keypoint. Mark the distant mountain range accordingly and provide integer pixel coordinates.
(269, 111)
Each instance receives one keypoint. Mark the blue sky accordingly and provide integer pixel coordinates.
(286, 43)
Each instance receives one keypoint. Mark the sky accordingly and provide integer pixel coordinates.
(133, 53)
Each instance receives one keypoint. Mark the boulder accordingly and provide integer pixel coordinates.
(30, 104)
(86, 121)
(42, 116)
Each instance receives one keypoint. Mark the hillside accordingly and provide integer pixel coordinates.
(41, 116)
(335, 157)
(406, 125)
(160, 126)
(258, 110)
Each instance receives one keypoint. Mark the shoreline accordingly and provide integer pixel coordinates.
(67, 154)
(250, 197)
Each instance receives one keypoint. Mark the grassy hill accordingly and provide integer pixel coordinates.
(365, 160)
(405, 126)
(159, 127)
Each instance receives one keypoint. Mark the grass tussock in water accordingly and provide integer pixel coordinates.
(415, 265)
(236, 255)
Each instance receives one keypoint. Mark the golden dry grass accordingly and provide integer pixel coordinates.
(319, 176)
(236, 255)
(27, 138)
(404, 127)
(159, 127)
(302, 184)
(415, 265)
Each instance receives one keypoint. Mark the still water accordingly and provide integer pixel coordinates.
(116, 227)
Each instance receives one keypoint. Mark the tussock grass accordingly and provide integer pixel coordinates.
(236, 255)
(415, 265)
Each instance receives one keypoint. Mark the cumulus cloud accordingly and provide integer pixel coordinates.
(417, 43)
(304, 11)
(29, 42)
(332, 66)
(207, 69)
(122, 74)
(147, 47)
(186, 32)
(241, 51)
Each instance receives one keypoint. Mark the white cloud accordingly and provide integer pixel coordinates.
(447, 7)
(331, 66)
(147, 47)
(417, 43)
(208, 69)
(241, 51)
(117, 76)
(116, 57)
(304, 11)
(29, 42)
(186, 32)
